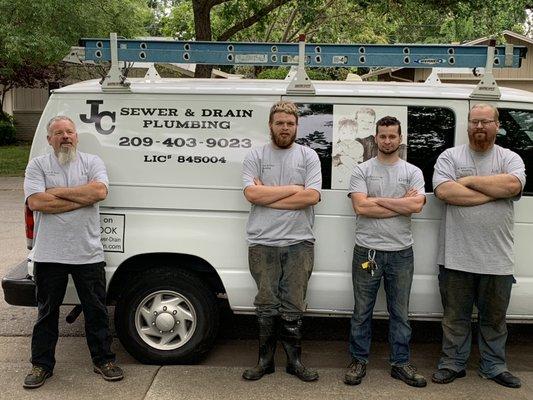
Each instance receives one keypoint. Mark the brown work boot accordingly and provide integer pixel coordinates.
(355, 373)
(36, 377)
(110, 371)
(408, 374)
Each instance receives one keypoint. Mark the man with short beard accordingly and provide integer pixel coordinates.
(479, 182)
(282, 180)
(63, 189)
(385, 191)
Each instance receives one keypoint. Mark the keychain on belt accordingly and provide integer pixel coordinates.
(370, 266)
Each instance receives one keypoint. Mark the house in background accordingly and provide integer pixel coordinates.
(519, 78)
(27, 104)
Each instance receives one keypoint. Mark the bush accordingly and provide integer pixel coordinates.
(318, 75)
(315, 74)
(7, 132)
(273, 73)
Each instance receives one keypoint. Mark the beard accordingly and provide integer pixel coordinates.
(66, 154)
(388, 152)
(480, 140)
(281, 141)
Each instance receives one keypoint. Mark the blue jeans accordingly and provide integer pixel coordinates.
(490, 293)
(396, 269)
(51, 281)
(281, 275)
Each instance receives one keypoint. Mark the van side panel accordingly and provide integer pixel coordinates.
(174, 163)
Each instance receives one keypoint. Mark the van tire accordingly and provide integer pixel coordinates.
(154, 304)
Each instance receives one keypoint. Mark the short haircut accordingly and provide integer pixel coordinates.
(55, 119)
(485, 105)
(347, 123)
(366, 110)
(287, 107)
(389, 121)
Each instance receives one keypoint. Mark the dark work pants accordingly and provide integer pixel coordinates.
(460, 291)
(281, 275)
(51, 280)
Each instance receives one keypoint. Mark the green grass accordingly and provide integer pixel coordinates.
(13, 159)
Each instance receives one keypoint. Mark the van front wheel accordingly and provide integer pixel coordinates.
(169, 317)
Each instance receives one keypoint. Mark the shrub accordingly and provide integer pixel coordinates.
(315, 74)
(7, 132)
(273, 73)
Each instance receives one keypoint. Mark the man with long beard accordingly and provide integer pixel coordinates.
(479, 182)
(385, 191)
(63, 189)
(282, 180)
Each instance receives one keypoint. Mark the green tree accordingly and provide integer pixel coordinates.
(476, 18)
(252, 11)
(343, 21)
(36, 35)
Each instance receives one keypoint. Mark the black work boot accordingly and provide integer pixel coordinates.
(267, 348)
(291, 338)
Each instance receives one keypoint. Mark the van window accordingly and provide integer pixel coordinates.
(315, 130)
(430, 130)
(516, 134)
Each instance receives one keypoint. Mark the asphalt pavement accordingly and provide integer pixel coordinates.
(219, 375)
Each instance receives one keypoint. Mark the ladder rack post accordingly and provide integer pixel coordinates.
(487, 88)
(114, 80)
(300, 83)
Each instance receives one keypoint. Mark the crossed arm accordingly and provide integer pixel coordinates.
(476, 190)
(63, 199)
(287, 197)
(386, 207)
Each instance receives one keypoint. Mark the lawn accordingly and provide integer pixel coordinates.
(13, 159)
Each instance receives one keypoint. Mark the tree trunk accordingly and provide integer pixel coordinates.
(3, 115)
(202, 30)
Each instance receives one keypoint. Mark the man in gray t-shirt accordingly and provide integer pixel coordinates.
(385, 191)
(478, 182)
(282, 180)
(63, 189)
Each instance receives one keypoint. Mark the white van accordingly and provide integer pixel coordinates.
(173, 225)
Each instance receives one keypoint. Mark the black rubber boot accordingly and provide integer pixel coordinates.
(291, 338)
(267, 348)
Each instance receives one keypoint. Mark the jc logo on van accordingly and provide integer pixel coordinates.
(97, 116)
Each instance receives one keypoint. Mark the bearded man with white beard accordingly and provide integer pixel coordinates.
(63, 189)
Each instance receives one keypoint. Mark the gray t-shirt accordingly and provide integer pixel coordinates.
(71, 237)
(297, 165)
(376, 179)
(478, 239)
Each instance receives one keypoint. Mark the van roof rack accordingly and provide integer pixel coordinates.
(301, 55)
